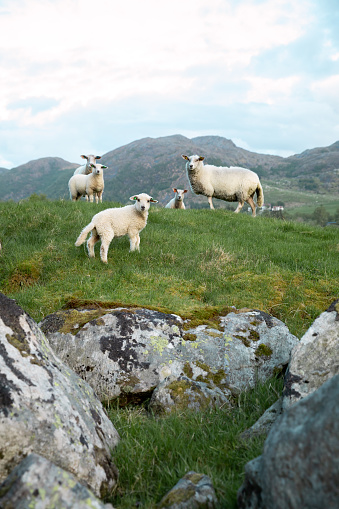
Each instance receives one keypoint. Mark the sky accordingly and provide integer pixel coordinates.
(88, 76)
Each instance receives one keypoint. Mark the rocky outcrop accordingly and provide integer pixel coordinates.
(300, 461)
(47, 409)
(36, 482)
(315, 358)
(193, 491)
(127, 353)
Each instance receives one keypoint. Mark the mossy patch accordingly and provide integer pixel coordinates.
(244, 340)
(194, 477)
(177, 496)
(189, 337)
(263, 351)
(26, 274)
(187, 369)
(72, 320)
(254, 335)
(214, 377)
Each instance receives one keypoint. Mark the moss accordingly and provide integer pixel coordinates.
(177, 496)
(194, 477)
(188, 371)
(244, 340)
(254, 335)
(263, 351)
(22, 346)
(216, 378)
(189, 337)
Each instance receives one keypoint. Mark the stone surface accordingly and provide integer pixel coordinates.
(193, 491)
(127, 353)
(175, 394)
(265, 422)
(315, 358)
(38, 483)
(47, 409)
(299, 467)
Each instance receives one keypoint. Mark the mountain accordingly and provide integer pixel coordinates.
(155, 165)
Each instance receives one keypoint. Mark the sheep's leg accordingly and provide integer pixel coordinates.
(134, 241)
(94, 238)
(252, 205)
(91, 197)
(99, 197)
(86, 197)
(210, 202)
(239, 207)
(105, 243)
(96, 198)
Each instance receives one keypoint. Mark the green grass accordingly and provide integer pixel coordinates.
(192, 262)
(195, 263)
(154, 454)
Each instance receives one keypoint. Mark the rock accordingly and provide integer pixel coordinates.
(36, 482)
(173, 394)
(45, 408)
(193, 491)
(127, 353)
(315, 358)
(299, 466)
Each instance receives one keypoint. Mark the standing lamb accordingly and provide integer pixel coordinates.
(226, 183)
(116, 222)
(86, 169)
(178, 201)
(81, 185)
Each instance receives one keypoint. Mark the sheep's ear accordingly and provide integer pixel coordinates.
(185, 190)
(97, 157)
(134, 198)
(201, 158)
(153, 200)
(185, 157)
(92, 165)
(103, 166)
(174, 189)
(84, 157)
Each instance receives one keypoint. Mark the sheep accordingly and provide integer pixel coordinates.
(81, 185)
(116, 222)
(86, 169)
(226, 183)
(178, 201)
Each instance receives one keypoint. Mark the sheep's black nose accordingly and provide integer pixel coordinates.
(191, 166)
(142, 207)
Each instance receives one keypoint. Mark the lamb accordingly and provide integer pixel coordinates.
(86, 169)
(226, 183)
(116, 222)
(178, 201)
(88, 185)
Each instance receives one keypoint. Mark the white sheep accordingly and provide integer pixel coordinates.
(86, 169)
(178, 201)
(116, 222)
(88, 185)
(226, 183)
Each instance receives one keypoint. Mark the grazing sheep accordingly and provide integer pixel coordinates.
(81, 185)
(178, 201)
(86, 169)
(116, 222)
(226, 183)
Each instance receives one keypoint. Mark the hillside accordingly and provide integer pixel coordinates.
(154, 165)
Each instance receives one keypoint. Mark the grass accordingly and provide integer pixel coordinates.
(193, 263)
(196, 263)
(154, 454)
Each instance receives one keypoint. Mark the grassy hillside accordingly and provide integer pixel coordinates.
(195, 263)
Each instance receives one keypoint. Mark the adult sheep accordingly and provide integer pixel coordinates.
(116, 222)
(226, 183)
(88, 185)
(178, 201)
(86, 169)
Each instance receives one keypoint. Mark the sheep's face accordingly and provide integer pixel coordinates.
(97, 169)
(193, 162)
(179, 193)
(142, 201)
(91, 159)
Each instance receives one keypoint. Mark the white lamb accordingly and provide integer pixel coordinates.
(88, 185)
(116, 222)
(178, 201)
(86, 169)
(226, 183)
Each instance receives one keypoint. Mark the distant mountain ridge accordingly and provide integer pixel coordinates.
(154, 165)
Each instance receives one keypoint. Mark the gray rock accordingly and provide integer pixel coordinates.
(299, 467)
(315, 358)
(45, 408)
(125, 353)
(174, 394)
(193, 491)
(36, 482)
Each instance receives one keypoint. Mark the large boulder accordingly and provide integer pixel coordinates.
(47, 409)
(127, 353)
(300, 462)
(33, 483)
(315, 358)
(193, 491)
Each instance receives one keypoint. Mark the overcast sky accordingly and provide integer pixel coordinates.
(88, 76)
